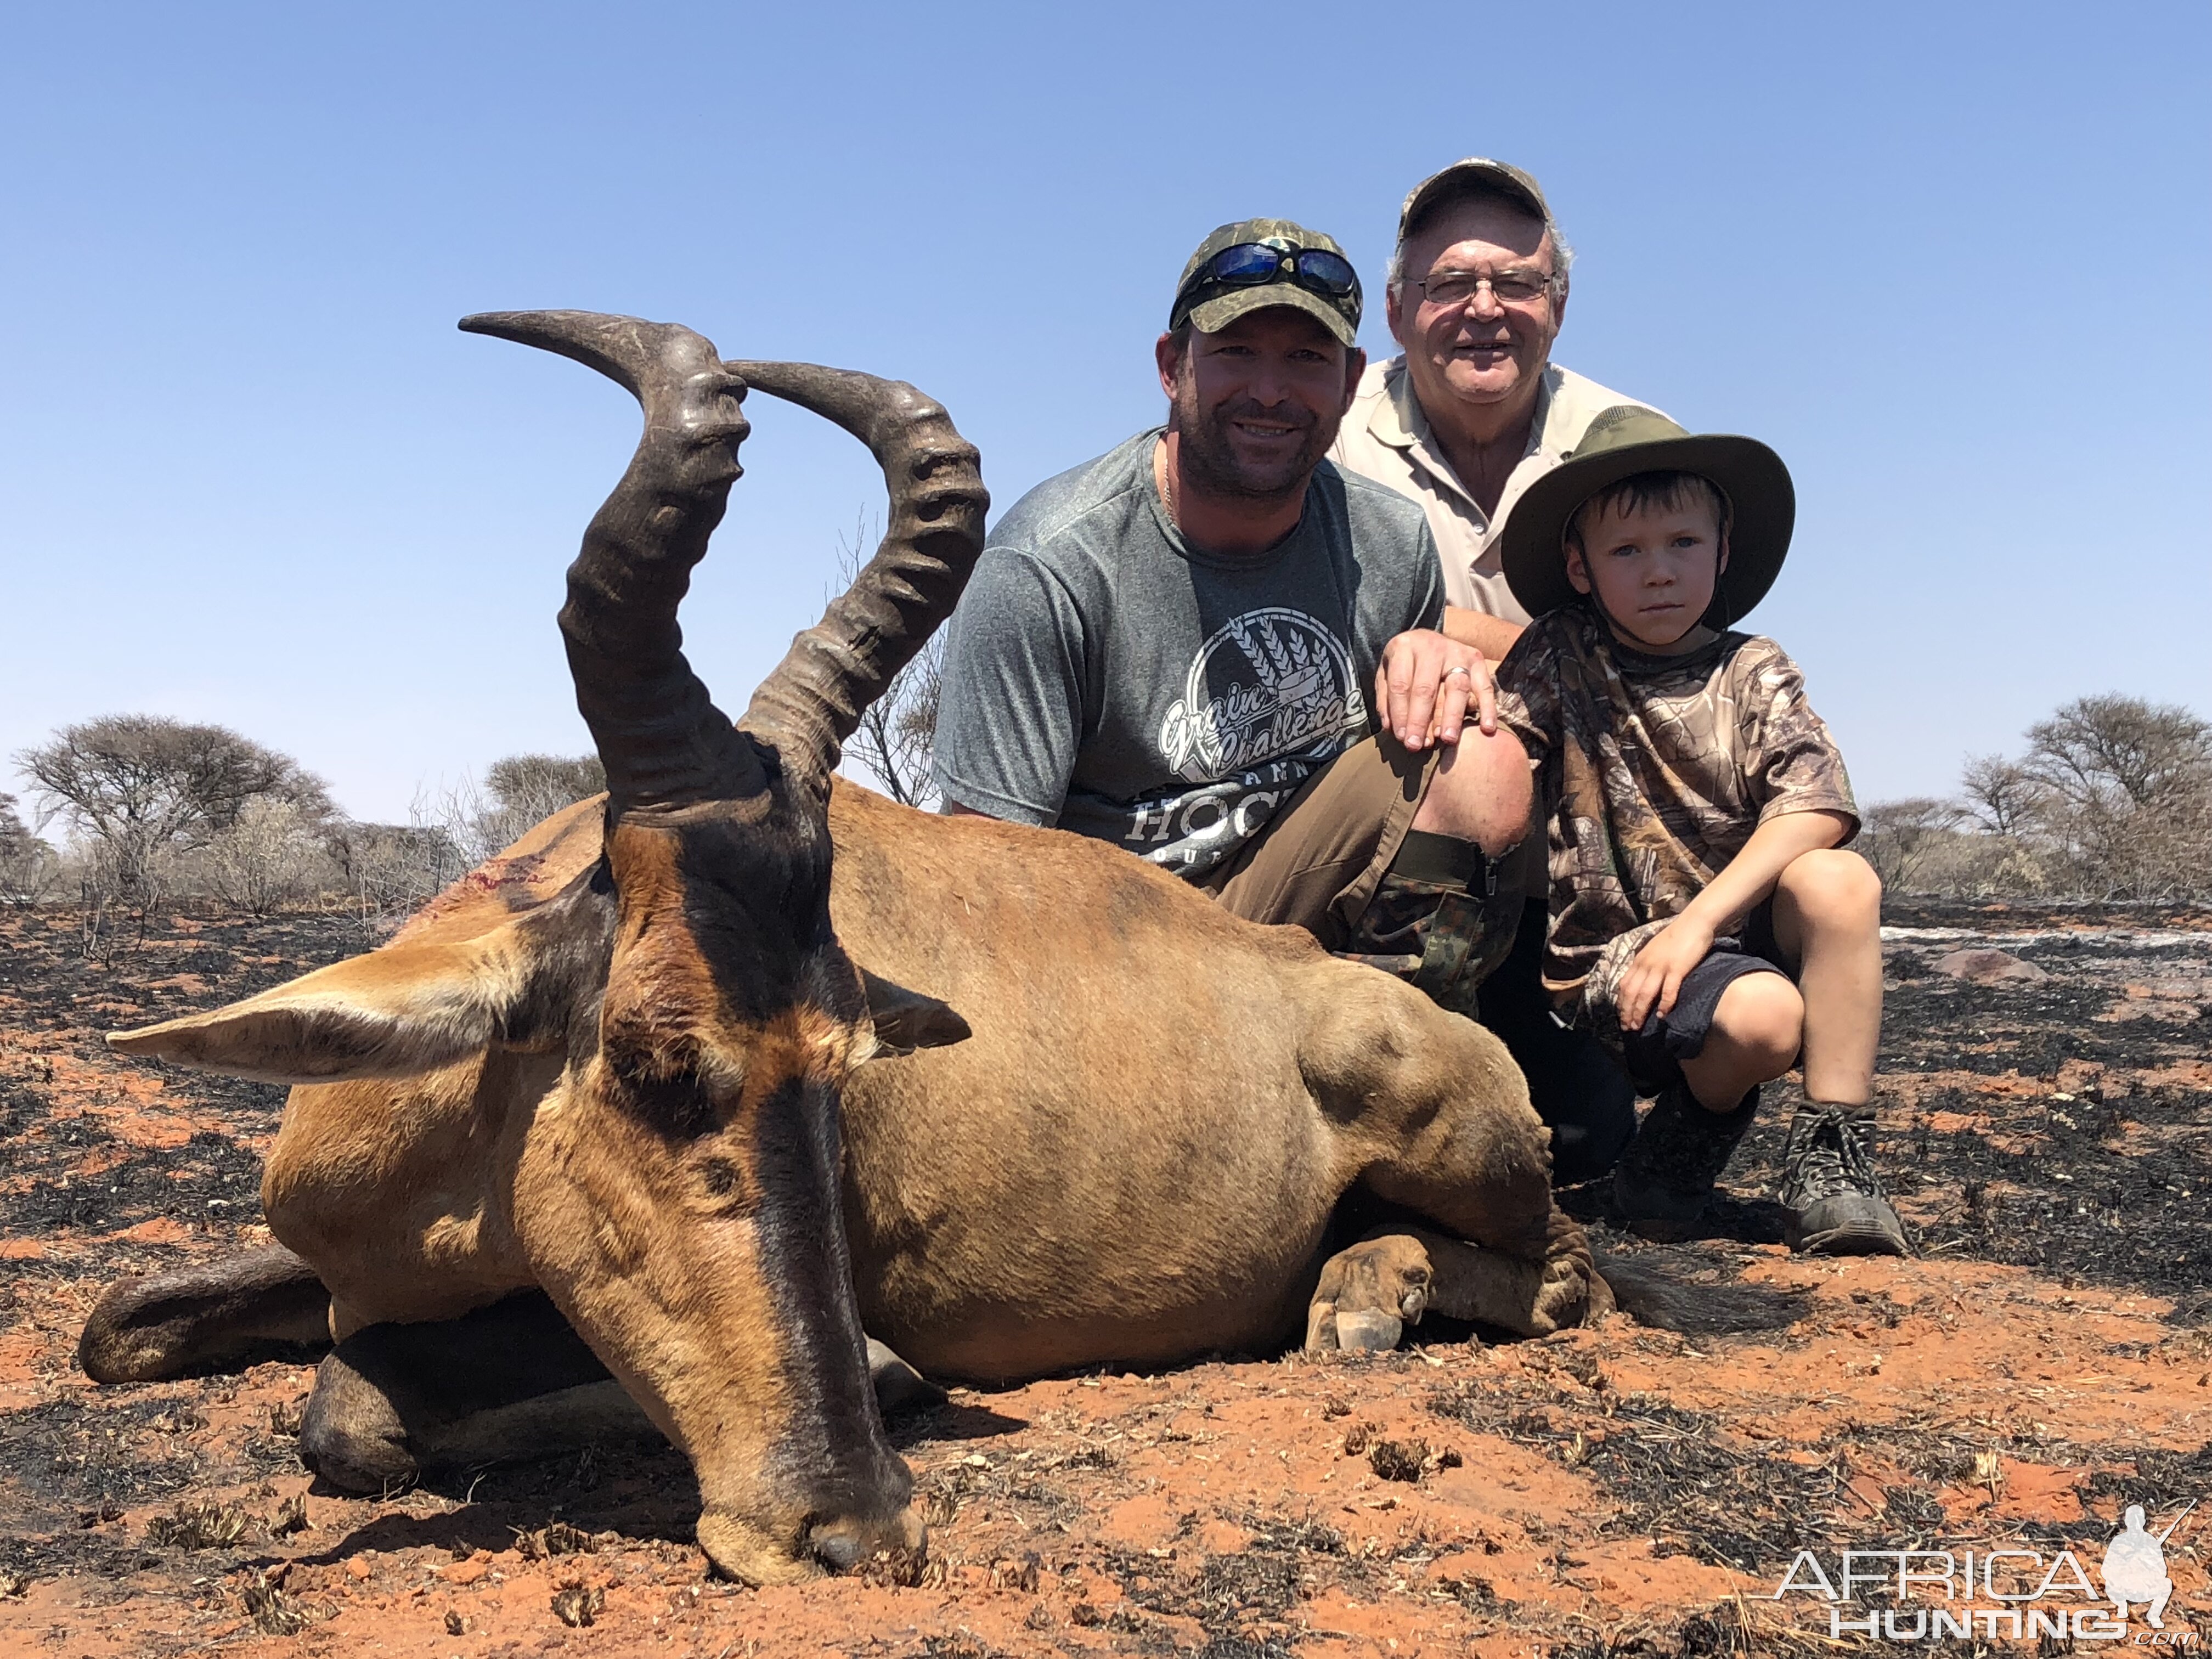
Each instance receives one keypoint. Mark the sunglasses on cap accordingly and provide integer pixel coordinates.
(1250, 264)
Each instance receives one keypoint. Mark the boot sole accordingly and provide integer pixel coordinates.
(1846, 1224)
(1853, 1237)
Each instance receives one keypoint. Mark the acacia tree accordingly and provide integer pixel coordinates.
(1899, 836)
(2127, 794)
(527, 789)
(2000, 795)
(142, 789)
(2121, 753)
(28, 865)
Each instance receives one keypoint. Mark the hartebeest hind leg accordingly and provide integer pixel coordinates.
(1452, 1140)
(1369, 1293)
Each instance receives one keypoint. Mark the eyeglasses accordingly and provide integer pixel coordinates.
(1250, 265)
(1508, 288)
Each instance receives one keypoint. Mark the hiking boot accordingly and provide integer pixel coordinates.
(1836, 1203)
(1665, 1179)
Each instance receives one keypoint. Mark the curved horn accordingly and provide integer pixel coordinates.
(663, 741)
(813, 701)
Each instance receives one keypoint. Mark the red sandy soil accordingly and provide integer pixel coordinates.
(1611, 1491)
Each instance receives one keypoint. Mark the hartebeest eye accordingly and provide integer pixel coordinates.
(724, 1181)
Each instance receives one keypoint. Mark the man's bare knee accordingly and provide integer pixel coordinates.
(1480, 791)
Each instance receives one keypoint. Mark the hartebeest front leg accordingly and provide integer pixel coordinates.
(1369, 1293)
(1447, 1136)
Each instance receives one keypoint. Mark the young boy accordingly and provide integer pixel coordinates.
(1706, 924)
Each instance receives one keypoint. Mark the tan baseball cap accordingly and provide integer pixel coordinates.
(1476, 172)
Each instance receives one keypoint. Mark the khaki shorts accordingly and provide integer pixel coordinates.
(1318, 861)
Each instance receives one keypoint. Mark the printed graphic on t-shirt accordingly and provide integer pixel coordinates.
(1288, 690)
(1269, 697)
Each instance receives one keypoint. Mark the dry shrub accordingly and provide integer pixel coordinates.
(272, 855)
(273, 1612)
(898, 734)
(577, 1604)
(391, 870)
(198, 1526)
(2111, 801)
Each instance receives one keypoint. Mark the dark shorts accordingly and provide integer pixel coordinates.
(1654, 1056)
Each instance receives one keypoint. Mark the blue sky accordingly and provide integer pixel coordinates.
(1950, 260)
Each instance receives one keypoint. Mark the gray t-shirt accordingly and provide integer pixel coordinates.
(1104, 676)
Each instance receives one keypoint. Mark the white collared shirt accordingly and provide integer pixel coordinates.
(1386, 437)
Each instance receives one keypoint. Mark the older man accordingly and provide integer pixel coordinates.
(1470, 414)
(1216, 650)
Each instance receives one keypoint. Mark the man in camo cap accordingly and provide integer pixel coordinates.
(1469, 415)
(1216, 649)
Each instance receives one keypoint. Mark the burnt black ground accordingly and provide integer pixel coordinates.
(62, 1169)
(2084, 1171)
(1990, 1096)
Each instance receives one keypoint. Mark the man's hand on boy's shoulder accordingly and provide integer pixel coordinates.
(1655, 978)
(1425, 685)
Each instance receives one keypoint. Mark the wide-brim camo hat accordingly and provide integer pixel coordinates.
(1627, 439)
(1257, 263)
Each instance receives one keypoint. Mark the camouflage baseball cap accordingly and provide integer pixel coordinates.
(1476, 173)
(1211, 306)
(1621, 442)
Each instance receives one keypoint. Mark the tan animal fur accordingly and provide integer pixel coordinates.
(669, 1060)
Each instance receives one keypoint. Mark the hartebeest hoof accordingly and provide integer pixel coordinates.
(504, 1384)
(353, 1434)
(1369, 1294)
(1401, 1271)
(264, 1303)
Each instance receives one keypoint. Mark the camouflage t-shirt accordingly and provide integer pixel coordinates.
(1654, 771)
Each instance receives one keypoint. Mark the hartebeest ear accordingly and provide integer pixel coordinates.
(907, 1020)
(404, 1009)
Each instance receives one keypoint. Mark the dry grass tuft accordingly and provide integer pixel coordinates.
(198, 1526)
(577, 1604)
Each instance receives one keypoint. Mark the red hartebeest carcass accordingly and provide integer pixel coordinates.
(669, 1062)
